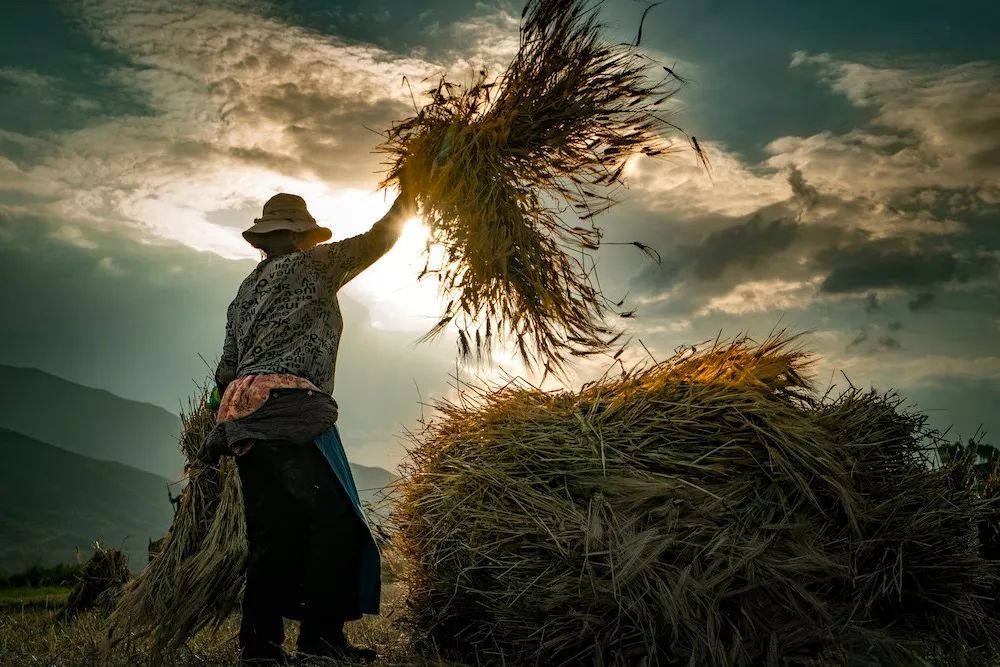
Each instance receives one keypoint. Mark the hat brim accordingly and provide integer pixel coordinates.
(315, 233)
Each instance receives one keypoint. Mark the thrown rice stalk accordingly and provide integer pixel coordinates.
(510, 171)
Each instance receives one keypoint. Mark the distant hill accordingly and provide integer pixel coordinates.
(370, 482)
(88, 421)
(101, 425)
(53, 501)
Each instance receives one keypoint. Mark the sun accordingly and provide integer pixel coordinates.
(390, 288)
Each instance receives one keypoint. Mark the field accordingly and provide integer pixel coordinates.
(25, 597)
(30, 635)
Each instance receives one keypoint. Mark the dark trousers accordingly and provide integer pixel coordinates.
(305, 544)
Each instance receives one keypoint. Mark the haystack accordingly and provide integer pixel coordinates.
(99, 581)
(495, 164)
(196, 578)
(708, 510)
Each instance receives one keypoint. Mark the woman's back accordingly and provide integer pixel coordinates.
(286, 319)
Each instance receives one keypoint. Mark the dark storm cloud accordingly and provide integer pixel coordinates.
(899, 263)
(741, 247)
(921, 301)
(818, 235)
(869, 341)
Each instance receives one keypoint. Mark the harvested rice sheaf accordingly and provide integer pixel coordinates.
(510, 171)
(708, 510)
(195, 580)
(99, 582)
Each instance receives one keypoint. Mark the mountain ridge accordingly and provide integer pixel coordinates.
(111, 437)
(92, 422)
(55, 501)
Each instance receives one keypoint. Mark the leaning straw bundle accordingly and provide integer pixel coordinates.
(490, 163)
(99, 581)
(196, 578)
(710, 509)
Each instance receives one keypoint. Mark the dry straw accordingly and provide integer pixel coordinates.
(99, 582)
(195, 580)
(708, 510)
(495, 165)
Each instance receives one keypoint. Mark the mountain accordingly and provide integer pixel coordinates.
(100, 425)
(79, 464)
(88, 421)
(53, 501)
(371, 482)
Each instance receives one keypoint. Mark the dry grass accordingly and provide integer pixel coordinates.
(36, 637)
(195, 580)
(710, 509)
(99, 582)
(497, 163)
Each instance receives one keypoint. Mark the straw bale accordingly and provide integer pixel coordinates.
(711, 509)
(196, 578)
(99, 581)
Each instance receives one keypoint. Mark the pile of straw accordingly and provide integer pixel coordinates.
(494, 163)
(196, 578)
(710, 509)
(99, 581)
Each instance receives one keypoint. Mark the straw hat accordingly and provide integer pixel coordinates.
(285, 211)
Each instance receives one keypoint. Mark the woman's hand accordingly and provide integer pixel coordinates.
(407, 191)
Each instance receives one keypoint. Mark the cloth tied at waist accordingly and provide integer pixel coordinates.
(272, 406)
(286, 407)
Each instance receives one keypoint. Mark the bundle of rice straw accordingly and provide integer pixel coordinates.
(494, 162)
(99, 581)
(708, 510)
(196, 578)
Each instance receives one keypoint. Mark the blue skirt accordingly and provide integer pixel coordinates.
(370, 579)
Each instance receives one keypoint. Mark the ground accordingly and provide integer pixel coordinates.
(31, 635)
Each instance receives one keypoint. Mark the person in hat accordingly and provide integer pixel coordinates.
(311, 554)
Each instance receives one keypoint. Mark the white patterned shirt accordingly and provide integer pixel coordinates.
(286, 318)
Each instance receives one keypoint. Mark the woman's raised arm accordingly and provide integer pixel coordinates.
(343, 260)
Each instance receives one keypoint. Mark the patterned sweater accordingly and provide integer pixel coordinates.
(286, 318)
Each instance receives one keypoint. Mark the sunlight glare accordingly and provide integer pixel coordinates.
(390, 290)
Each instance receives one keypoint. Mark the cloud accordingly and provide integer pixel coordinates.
(868, 341)
(934, 126)
(233, 102)
(921, 301)
(110, 266)
(872, 304)
(762, 296)
(896, 262)
(891, 206)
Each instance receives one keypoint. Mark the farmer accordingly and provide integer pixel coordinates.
(311, 554)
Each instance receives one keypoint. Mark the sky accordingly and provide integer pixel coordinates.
(854, 192)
